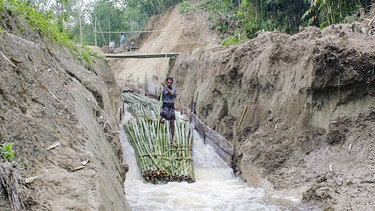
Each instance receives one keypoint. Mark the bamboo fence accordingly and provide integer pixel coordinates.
(159, 161)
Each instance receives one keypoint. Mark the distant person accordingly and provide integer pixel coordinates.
(122, 42)
(168, 95)
(111, 47)
(131, 46)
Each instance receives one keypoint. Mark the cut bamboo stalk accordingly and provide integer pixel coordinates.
(159, 161)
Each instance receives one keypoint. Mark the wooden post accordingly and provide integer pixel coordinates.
(243, 114)
(123, 108)
(145, 83)
(96, 43)
(192, 104)
(234, 141)
(120, 114)
(195, 105)
(218, 126)
(80, 29)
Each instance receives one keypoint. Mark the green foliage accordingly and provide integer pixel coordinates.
(45, 24)
(152, 7)
(323, 13)
(248, 17)
(232, 40)
(224, 16)
(110, 17)
(42, 22)
(85, 58)
(7, 151)
(106, 17)
(172, 59)
(1, 9)
(186, 7)
(81, 20)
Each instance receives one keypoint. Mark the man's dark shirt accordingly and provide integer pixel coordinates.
(168, 98)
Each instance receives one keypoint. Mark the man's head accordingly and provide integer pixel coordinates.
(169, 82)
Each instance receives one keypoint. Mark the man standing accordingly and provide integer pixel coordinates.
(111, 47)
(168, 95)
(122, 42)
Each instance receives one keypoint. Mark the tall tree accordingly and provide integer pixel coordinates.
(327, 12)
(107, 17)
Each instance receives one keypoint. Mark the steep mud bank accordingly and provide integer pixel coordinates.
(310, 102)
(62, 116)
(165, 33)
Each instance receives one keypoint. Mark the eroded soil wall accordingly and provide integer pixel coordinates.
(62, 116)
(310, 102)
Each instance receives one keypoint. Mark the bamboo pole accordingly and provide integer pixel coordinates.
(159, 161)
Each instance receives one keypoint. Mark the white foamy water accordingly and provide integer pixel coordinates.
(216, 188)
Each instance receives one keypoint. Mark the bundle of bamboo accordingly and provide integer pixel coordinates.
(158, 159)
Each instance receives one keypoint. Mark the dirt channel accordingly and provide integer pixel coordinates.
(308, 131)
(309, 99)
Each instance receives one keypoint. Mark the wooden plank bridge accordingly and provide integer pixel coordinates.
(141, 55)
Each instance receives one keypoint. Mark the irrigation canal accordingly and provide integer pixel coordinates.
(216, 188)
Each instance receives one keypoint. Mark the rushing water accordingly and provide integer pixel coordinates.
(216, 188)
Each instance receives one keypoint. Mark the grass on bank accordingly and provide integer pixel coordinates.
(29, 17)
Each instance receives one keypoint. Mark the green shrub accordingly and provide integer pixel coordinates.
(45, 24)
(42, 22)
(186, 7)
(1, 9)
(85, 58)
(232, 40)
(7, 151)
